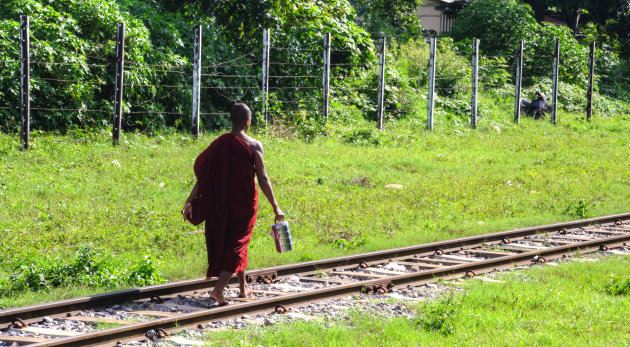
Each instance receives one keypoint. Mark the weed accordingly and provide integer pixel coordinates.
(342, 243)
(145, 273)
(617, 285)
(366, 136)
(441, 317)
(578, 209)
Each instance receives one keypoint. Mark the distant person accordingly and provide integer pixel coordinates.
(228, 198)
(535, 108)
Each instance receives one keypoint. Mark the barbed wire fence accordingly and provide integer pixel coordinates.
(276, 88)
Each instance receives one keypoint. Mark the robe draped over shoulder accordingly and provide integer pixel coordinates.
(225, 176)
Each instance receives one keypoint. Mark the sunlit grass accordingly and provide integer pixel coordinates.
(72, 190)
(552, 306)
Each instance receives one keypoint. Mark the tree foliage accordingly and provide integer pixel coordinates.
(499, 24)
(74, 40)
(392, 18)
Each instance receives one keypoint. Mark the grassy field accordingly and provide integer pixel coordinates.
(76, 190)
(569, 305)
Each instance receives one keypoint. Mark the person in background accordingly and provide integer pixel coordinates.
(535, 108)
(225, 174)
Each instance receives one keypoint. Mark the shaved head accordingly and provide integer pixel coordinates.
(240, 113)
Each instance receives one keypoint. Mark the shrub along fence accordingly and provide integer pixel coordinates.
(278, 88)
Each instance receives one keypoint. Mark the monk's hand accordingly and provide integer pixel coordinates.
(187, 211)
(279, 214)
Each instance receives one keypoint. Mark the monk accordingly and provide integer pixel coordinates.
(225, 181)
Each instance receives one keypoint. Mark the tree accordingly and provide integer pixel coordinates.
(500, 24)
(570, 10)
(391, 18)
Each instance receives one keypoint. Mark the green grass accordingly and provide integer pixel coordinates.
(73, 190)
(554, 306)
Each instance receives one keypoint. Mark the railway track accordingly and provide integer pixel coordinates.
(151, 313)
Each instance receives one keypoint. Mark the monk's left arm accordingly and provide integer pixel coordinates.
(265, 183)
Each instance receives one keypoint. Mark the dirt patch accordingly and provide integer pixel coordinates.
(360, 181)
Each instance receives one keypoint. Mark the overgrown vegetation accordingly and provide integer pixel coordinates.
(74, 40)
(618, 285)
(88, 267)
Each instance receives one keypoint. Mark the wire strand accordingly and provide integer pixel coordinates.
(66, 81)
(155, 112)
(295, 49)
(226, 87)
(296, 64)
(221, 64)
(152, 85)
(131, 62)
(67, 109)
(156, 70)
(280, 77)
(67, 64)
(227, 66)
(296, 87)
(228, 76)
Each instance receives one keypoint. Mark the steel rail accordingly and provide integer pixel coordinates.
(35, 312)
(193, 319)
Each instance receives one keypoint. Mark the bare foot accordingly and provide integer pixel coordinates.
(218, 298)
(245, 293)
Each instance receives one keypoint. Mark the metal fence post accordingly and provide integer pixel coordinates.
(475, 84)
(591, 72)
(196, 87)
(265, 75)
(120, 70)
(431, 97)
(556, 73)
(25, 93)
(381, 87)
(326, 78)
(518, 82)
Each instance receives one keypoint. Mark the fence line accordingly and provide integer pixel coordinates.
(286, 80)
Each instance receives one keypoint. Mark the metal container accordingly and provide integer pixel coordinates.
(282, 236)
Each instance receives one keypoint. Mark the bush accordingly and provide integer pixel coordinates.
(365, 136)
(90, 267)
(440, 317)
(617, 285)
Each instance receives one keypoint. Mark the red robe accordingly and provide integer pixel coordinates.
(225, 176)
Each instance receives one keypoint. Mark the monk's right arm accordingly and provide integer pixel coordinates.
(187, 210)
(193, 193)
